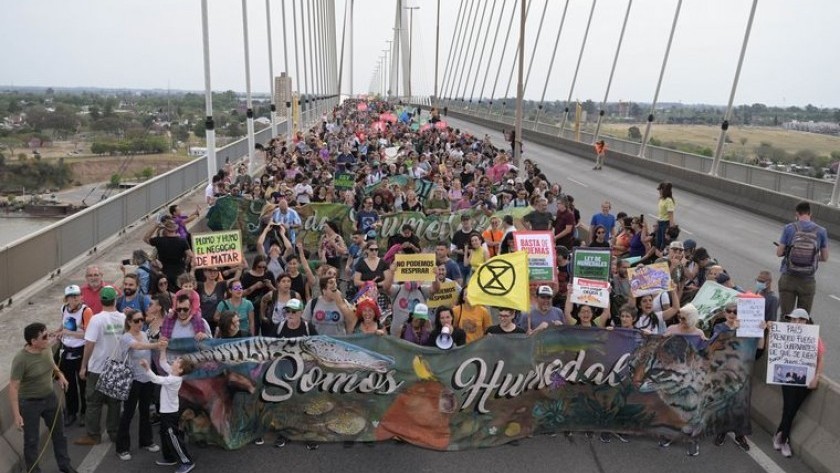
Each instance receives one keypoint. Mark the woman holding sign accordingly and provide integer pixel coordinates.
(794, 396)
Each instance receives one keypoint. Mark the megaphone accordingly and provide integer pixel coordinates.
(444, 340)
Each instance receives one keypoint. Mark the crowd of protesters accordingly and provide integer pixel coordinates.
(345, 283)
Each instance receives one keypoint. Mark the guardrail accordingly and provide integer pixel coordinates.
(31, 258)
(807, 188)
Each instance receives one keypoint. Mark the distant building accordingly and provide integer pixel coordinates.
(825, 128)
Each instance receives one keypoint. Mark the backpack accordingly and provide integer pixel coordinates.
(802, 251)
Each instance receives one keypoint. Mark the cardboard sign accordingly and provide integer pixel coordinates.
(591, 292)
(420, 267)
(650, 279)
(217, 249)
(343, 181)
(750, 316)
(591, 263)
(446, 296)
(542, 258)
(792, 353)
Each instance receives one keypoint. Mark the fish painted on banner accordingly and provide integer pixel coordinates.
(325, 350)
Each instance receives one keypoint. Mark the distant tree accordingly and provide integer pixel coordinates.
(634, 133)
(147, 173)
(14, 106)
(836, 114)
(115, 181)
(635, 110)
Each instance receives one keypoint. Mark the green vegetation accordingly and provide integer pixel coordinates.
(32, 174)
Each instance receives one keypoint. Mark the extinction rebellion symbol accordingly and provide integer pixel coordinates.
(496, 278)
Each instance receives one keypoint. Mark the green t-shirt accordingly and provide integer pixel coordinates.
(35, 373)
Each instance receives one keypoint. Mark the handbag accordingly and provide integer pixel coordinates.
(115, 381)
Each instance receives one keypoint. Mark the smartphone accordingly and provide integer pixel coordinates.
(126, 262)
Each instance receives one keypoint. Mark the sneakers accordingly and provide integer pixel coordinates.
(280, 442)
(786, 451)
(621, 438)
(741, 441)
(259, 441)
(693, 448)
(777, 441)
(87, 440)
(719, 439)
(154, 448)
(165, 463)
(664, 441)
(310, 446)
(185, 468)
(124, 456)
(605, 437)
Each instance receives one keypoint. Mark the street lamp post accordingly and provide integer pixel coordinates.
(410, 40)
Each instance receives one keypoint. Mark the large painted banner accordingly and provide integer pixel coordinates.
(230, 213)
(370, 388)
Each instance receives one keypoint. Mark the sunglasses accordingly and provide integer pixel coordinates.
(136, 321)
(261, 266)
(163, 283)
(182, 310)
(236, 288)
(600, 232)
(730, 311)
(373, 249)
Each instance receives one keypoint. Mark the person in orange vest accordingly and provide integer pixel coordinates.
(600, 152)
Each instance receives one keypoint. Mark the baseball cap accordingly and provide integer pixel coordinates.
(689, 244)
(421, 311)
(676, 245)
(545, 291)
(799, 313)
(107, 294)
(294, 304)
(72, 290)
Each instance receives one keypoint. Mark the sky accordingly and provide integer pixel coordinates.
(790, 58)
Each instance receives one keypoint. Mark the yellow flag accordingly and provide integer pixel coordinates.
(502, 281)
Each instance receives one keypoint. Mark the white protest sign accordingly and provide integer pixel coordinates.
(590, 292)
(750, 316)
(792, 353)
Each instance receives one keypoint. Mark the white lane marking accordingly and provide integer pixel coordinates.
(94, 457)
(686, 231)
(763, 460)
(834, 297)
(577, 182)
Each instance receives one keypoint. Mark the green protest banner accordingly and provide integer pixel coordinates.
(499, 389)
(343, 181)
(591, 263)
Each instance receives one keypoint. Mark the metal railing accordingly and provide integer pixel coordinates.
(31, 258)
(807, 188)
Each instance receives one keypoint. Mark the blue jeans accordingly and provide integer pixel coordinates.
(661, 226)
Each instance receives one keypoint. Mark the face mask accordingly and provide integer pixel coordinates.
(760, 286)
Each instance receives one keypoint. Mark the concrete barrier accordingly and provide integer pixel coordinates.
(816, 432)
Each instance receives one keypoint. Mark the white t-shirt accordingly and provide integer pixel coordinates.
(303, 193)
(169, 387)
(105, 330)
(180, 330)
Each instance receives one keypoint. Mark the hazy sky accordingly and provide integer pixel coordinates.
(791, 58)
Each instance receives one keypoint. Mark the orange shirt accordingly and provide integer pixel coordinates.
(493, 236)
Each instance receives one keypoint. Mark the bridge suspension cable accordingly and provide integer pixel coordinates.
(577, 67)
(551, 65)
(492, 49)
(650, 116)
(601, 112)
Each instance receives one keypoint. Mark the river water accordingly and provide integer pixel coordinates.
(12, 228)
